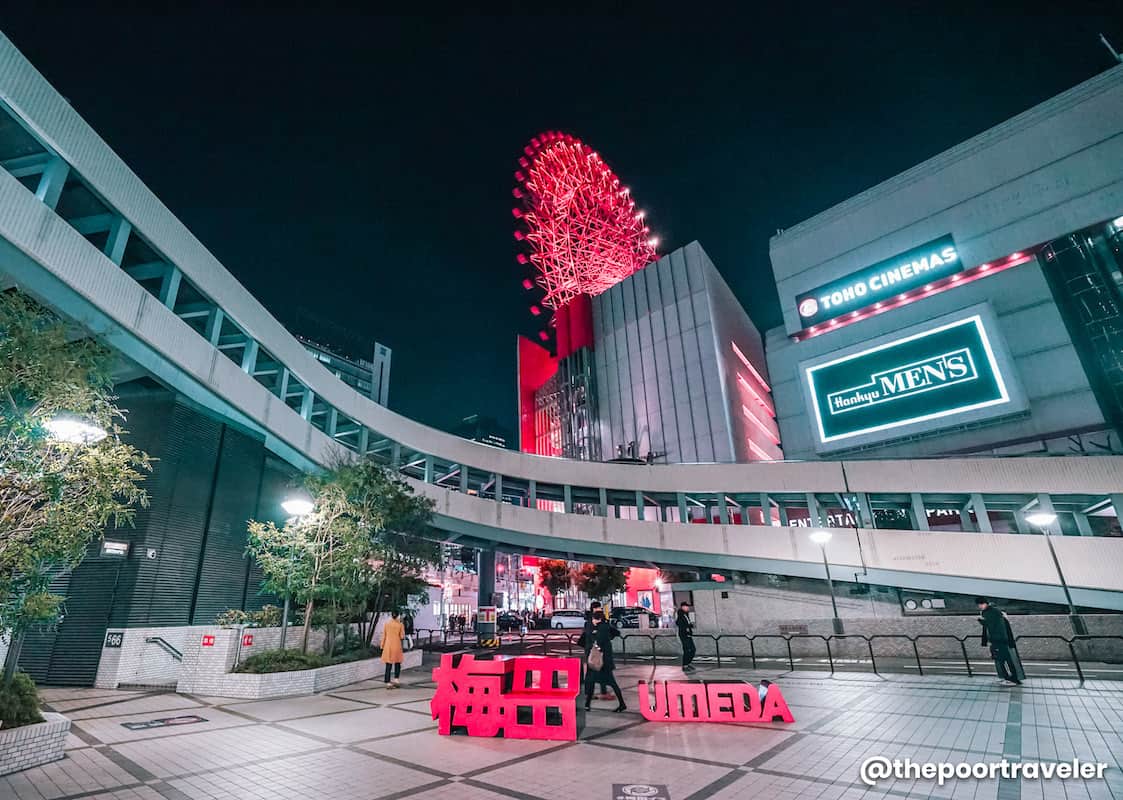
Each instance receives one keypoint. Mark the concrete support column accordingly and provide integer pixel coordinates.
(865, 511)
(639, 504)
(51, 181)
(396, 455)
(498, 488)
(169, 287)
(602, 502)
(814, 513)
(919, 512)
(722, 509)
(1083, 526)
(765, 509)
(464, 478)
(680, 498)
(119, 231)
(567, 496)
(486, 571)
(982, 518)
(427, 476)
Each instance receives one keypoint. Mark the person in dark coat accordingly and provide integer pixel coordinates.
(998, 634)
(686, 636)
(603, 634)
(587, 635)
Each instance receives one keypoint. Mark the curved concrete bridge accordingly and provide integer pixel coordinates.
(123, 266)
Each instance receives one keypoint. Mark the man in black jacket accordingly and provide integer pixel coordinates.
(1000, 636)
(686, 636)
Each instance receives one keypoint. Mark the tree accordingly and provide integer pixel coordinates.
(600, 581)
(361, 551)
(554, 576)
(56, 493)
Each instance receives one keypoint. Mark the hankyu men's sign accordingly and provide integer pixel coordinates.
(941, 372)
(909, 270)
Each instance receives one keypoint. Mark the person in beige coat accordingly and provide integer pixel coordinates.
(392, 655)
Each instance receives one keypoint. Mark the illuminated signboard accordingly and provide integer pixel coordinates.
(944, 374)
(903, 272)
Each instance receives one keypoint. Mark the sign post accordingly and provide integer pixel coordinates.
(486, 633)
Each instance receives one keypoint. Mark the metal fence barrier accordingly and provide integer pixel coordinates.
(543, 642)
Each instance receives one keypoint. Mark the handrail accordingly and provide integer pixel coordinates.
(164, 645)
(540, 640)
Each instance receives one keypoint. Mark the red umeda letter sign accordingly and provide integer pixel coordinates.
(686, 701)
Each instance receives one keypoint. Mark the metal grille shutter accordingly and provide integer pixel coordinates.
(222, 574)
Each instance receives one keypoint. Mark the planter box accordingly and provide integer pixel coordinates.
(33, 745)
(298, 682)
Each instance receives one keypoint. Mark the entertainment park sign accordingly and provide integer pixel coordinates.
(903, 272)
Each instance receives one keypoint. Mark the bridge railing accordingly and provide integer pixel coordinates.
(940, 653)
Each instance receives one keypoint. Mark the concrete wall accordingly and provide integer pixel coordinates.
(208, 669)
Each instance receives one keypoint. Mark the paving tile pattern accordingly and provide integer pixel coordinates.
(367, 743)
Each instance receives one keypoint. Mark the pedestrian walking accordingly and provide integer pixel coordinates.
(998, 634)
(601, 663)
(392, 655)
(588, 635)
(686, 636)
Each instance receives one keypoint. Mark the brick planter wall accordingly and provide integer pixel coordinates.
(32, 745)
(208, 669)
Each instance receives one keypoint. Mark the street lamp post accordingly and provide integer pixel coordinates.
(1042, 520)
(821, 538)
(295, 507)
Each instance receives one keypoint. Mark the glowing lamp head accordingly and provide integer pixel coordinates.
(820, 537)
(298, 506)
(74, 431)
(1041, 518)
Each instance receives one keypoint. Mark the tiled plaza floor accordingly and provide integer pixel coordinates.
(362, 742)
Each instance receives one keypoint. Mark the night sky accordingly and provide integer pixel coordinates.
(355, 171)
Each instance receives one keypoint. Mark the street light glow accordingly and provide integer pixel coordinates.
(1041, 518)
(74, 431)
(297, 506)
(821, 537)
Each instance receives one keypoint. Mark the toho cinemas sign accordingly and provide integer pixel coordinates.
(903, 272)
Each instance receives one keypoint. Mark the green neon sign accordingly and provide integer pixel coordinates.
(859, 290)
(937, 373)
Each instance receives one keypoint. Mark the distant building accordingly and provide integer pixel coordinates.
(370, 378)
(665, 366)
(485, 430)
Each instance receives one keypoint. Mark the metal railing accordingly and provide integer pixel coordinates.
(166, 646)
(545, 642)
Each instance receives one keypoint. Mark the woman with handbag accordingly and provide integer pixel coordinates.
(601, 664)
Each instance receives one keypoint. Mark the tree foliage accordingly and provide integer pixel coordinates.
(55, 497)
(600, 581)
(361, 551)
(555, 576)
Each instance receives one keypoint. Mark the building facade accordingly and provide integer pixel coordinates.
(663, 367)
(969, 305)
(369, 378)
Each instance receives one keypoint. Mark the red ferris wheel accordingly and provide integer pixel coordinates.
(580, 224)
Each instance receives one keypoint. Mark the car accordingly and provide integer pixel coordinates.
(632, 620)
(628, 617)
(567, 618)
(508, 621)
